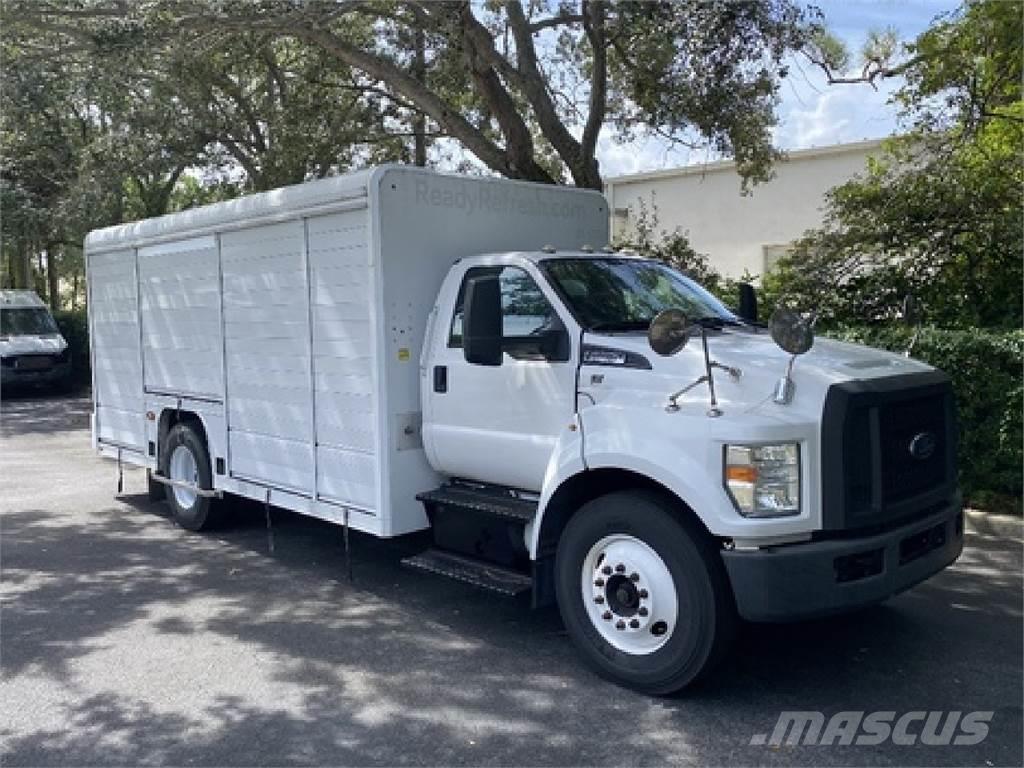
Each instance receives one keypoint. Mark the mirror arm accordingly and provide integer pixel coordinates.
(673, 404)
(733, 372)
(709, 377)
(785, 386)
(709, 373)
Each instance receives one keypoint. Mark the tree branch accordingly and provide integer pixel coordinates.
(405, 84)
(582, 167)
(593, 26)
(556, 21)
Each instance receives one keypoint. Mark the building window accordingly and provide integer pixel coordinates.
(772, 254)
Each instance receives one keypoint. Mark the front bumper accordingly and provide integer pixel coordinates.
(801, 581)
(55, 373)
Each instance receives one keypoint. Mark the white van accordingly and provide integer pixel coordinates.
(32, 350)
(397, 349)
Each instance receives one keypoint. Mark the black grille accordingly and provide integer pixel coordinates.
(888, 450)
(904, 474)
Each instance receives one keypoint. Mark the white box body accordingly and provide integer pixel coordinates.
(291, 322)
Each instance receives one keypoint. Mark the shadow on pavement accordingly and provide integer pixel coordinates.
(394, 668)
(26, 413)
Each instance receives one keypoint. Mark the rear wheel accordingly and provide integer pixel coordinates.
(643, 593)
(186, 461)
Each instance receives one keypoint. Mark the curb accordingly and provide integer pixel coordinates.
(986, 524)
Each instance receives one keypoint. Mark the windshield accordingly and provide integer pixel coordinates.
(625, 294)
(26, 321)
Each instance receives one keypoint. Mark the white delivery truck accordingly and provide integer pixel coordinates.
(398, 349)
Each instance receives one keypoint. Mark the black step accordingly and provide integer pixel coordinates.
(493, 502)
(479, 574)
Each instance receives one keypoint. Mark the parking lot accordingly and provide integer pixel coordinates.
(125, 640)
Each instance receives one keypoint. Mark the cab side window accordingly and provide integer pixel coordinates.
(531, 329)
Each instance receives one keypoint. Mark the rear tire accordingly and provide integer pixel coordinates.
(185, 457)
(643, 592)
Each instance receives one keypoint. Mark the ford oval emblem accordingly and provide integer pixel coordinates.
(922, 446)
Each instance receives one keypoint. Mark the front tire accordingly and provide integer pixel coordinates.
(643, 592)
(186, 459)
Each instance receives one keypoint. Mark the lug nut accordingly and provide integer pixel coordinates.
(620, 568)
(607, 615)
(607, 570)
(598, 582)
(599, 599)
(642, 611)
(620, 624)
(643, 594)
(634, 577)
(634, 624)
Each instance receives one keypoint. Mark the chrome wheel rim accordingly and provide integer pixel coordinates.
(629, 594)
(183, 468)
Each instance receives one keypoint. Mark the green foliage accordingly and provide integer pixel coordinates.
(708, 70)
(986, 368)
(939, 214)
(74, 327)
(673, 248)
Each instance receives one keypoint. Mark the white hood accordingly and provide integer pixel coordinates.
(761, 363)
(48, 344)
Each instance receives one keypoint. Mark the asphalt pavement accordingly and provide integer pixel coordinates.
(125, 640)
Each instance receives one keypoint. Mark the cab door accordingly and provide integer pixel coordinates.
(499, 423)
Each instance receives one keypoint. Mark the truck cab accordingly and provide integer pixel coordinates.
(671, 491)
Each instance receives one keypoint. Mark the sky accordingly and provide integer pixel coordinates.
(812, 113)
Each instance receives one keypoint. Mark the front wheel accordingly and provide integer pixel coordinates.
(643, 592)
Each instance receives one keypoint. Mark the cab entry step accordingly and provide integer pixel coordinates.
(477, 573)
(491, 502)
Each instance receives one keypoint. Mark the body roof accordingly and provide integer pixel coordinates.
(276, 202)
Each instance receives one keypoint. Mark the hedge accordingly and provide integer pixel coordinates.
(986, 368)
(74, 327)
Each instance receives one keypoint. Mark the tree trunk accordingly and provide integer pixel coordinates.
(419, 123)
(22, 266)
(52, 277)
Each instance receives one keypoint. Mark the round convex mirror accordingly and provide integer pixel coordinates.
(669, 332)
(791, 331)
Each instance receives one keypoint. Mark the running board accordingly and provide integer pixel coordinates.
(496, 503)
(477, 573)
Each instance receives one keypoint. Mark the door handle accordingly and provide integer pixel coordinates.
(440, 378)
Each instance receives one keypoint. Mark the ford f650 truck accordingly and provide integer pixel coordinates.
(396, 350)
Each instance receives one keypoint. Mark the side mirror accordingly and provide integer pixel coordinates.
(481, 321)
(748, 303)
(669, 332)
(791, 331)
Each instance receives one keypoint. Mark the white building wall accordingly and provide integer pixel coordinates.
(738, 233)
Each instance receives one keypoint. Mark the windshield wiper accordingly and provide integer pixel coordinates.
(621, 325)
(714, 322)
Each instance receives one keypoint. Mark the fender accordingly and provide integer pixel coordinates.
(209, 415)
(566, 462)
(681, 452)
(599, 444)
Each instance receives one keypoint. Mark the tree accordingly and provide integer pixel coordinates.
(939, 215)
(79, 151)
(525, 89)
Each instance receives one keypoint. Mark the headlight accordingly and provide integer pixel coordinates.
(764, 480)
